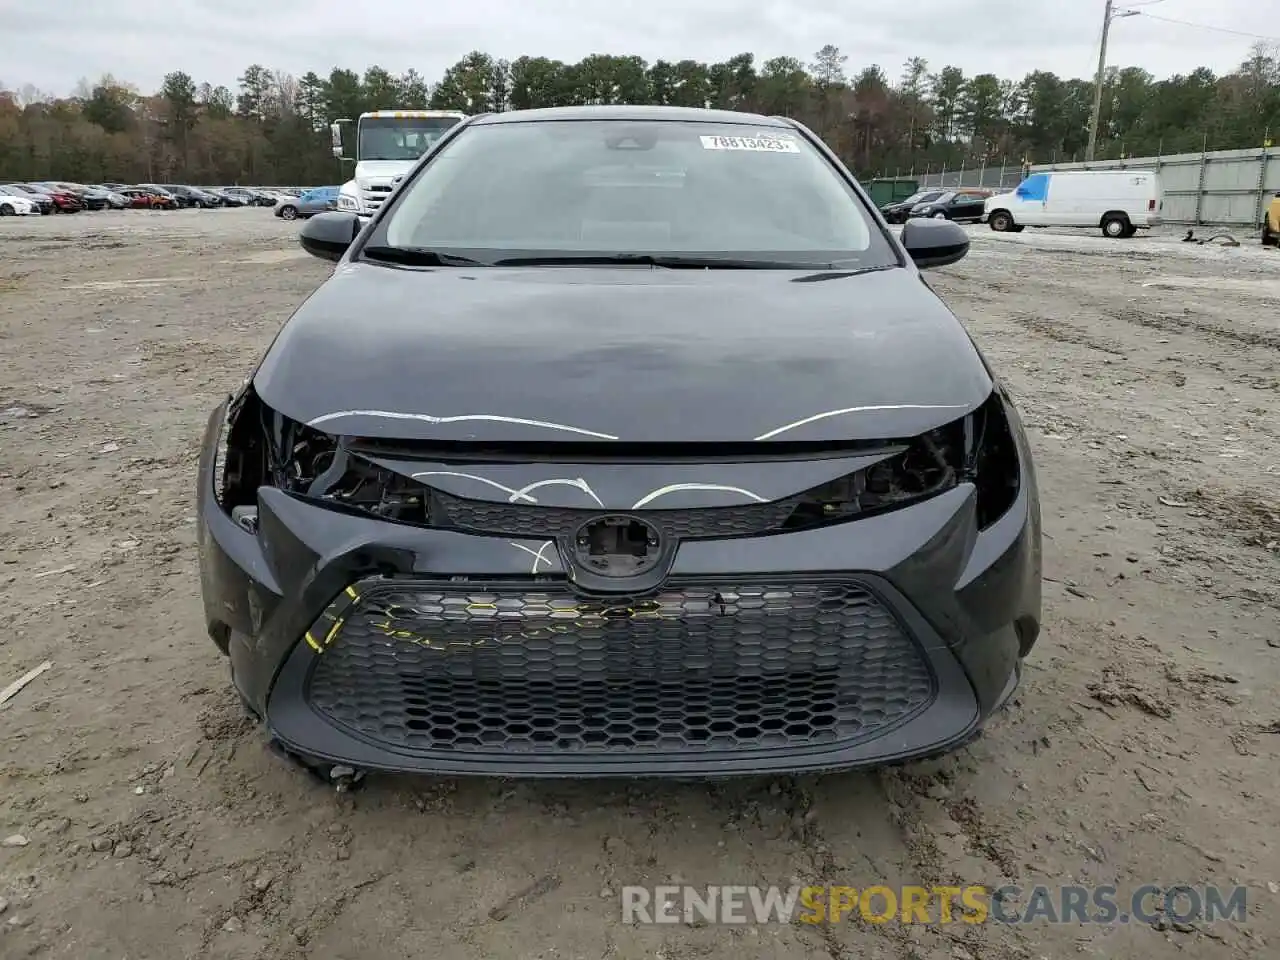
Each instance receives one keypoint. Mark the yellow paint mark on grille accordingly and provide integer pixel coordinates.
(311, 642)
(351, 592)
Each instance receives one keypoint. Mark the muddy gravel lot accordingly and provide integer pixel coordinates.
(145, 819)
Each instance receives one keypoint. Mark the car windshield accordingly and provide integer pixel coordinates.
(942, 198)
(600, 188)
(400, 138)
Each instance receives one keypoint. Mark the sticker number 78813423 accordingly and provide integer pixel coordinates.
(755, 144)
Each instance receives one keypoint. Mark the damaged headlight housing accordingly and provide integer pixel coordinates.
(977, 449)
(259, 447)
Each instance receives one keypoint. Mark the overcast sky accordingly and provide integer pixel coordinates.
(54, 44)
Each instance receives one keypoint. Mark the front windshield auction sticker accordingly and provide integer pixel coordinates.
(755, 144)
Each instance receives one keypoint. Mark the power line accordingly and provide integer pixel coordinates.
(1202, 26)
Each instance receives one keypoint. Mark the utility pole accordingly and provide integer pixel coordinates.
(1109, 14)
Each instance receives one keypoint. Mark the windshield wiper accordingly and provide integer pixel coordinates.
(672, 261)
(841, 274)
(419, 257)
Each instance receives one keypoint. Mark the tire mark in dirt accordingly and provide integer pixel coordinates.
(1171, 324)
(1061, 332)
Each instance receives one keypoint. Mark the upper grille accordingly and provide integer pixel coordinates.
(551, 523)
(759, 666)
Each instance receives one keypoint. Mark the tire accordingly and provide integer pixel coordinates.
(1269, 239)
(6, 210)
(1114, 225)
(1001, 221)
(940, 216)
(288, 212)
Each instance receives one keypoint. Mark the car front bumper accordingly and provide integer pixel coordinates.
(383, 646)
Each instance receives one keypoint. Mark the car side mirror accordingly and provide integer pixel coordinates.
(934, 243)
(328, 235)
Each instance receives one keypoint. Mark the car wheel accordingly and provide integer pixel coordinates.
(1269, 239)
(1114, 225)
(288, 212)
(1001, 221)
(7, 211)
(940, 216)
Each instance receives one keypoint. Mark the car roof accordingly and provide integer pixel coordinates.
(634, 112)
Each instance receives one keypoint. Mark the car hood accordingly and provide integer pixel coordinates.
(378, 171)
(631, 354)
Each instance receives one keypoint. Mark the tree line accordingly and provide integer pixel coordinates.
(273, 129)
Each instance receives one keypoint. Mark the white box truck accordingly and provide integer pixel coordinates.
(1118, 202)
(387, 144)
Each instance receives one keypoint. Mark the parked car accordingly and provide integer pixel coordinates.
(226, 198)
(99, 198)
(609, 547)
(145, 198)
(252, 197)
(959, 205)
(115, 198)
(179, 200)
(43, 203)
(899, 210)
(1118, 202)
(63, 202)
(14, 205)
(308, 204)
(90, 199)
(192, 196)
(208, 197)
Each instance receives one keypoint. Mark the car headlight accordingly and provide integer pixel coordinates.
(349, 203)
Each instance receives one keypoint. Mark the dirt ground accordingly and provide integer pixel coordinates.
(1142, 747)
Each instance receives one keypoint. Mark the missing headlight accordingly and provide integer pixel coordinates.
(977, 449)
(240, 461)
(260, 447)
(320, 467)
(993, 460)
(927, 466)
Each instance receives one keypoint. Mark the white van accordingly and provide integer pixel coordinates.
(1119, 202)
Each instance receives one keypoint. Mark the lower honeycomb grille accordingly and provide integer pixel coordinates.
(755, 666)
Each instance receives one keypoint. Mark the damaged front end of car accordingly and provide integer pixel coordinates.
(605, 608)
